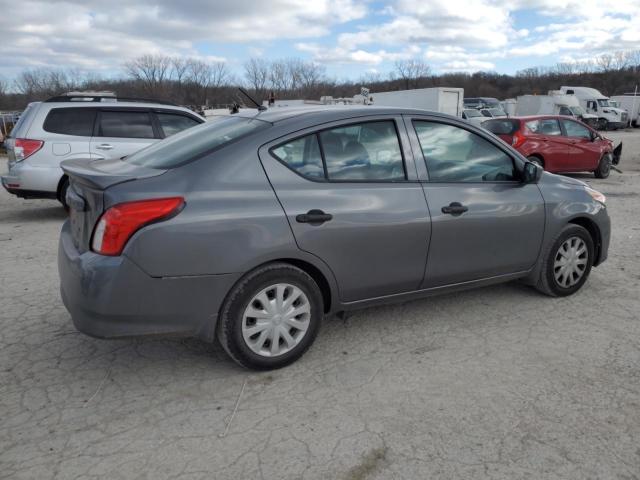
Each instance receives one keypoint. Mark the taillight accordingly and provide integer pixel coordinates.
(120, 222)
(517, 139)
(24, 148)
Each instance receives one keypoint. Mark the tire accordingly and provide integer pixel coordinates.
(62, 194)
(537, 160)
(602, 124)
(234, 325)
(604, 166)
(548, 283)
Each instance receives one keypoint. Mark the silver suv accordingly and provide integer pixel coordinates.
(83, 125)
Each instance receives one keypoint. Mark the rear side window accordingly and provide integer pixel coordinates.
(125, 124)
(501, 127)
(363, 152)
(173, 123)
(195, 142)
(70, 121)
(303, 156)
(545, 126)
(453, 154)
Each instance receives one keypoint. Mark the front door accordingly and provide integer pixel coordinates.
(120, 133)
(583, 153)
(353, 201)
(485, 221)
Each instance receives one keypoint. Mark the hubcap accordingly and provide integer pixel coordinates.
(570, 262)
(276, 320)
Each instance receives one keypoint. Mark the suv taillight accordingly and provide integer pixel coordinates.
(120, 222)
(517, 139)
(24, 148)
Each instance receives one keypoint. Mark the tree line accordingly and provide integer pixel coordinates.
(197, 82)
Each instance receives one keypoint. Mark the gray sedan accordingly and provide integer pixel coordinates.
(251, 228)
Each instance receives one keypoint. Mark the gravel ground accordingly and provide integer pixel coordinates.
(499, 382)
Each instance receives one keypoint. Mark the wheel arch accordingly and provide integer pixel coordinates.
(594, 231)
(539, 156)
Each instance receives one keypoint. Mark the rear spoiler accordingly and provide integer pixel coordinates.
(102, 174)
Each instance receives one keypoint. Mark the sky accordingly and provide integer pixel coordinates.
(351, 38)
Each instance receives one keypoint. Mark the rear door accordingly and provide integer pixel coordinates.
(120, 132)
(544, 137)
(351, 195)
(485, 221)
(583, 153)
(171, 123)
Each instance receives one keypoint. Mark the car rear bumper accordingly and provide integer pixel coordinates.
(28, 181)
(111, 297)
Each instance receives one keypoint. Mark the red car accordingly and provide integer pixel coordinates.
(559, 144)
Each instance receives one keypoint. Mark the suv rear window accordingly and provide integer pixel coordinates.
(195, 142)
(501, 126)
(70, 121)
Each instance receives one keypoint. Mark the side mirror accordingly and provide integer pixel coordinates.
(531, 173)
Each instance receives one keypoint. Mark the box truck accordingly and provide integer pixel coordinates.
(554, 103)
(438, 99)
(631, 103)
(609, 118)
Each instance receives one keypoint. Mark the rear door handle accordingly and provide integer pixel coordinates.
(314, 217)
(454, 208)
(105, 146)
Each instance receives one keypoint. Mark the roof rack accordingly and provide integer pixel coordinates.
(104, 97)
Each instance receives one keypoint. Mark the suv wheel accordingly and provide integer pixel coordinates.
(567, 262)
(604, 167)
(62, 193)
(271, 317)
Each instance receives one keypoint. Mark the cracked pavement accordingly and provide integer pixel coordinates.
(499, 382)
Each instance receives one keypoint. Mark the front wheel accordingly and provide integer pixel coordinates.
(602, 124)
(567, 262)
(271, 317)
(604, 166)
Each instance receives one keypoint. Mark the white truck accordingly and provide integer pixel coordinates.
(609, 118)
(438, 99)
(631, 103)
(555, 102)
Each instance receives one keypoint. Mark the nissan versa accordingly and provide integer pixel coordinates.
(250, 229)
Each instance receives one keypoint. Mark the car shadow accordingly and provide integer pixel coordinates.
(34, 213)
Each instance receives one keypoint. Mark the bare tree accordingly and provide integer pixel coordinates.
(605, 62)
(151, 70)
(410, 70)
(256, 74)
(205, 76)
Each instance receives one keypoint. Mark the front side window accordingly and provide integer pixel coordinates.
(70, 121)
(124, 124)
(358, 152)
(453, 154)
(173, 123)
(574, 129)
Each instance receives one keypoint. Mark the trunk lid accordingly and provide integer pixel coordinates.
(85, 196)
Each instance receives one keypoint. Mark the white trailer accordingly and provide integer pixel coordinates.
(596, 103)
(631, 103)
(555, 102)
(439, 99)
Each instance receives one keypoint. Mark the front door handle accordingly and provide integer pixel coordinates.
(454, 208)
(314, 217)
(104, 146)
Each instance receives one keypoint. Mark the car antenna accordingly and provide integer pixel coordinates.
(260, 108)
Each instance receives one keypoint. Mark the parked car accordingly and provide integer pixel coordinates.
(473, 116)
(493, 112)
(81, 126)
(559, 144)
(250, 229)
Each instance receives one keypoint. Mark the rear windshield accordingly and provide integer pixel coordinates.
(22, 122)
(196, 142)
(501, 126)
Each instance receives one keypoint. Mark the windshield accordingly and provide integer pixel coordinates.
(195, 142)
(577, 111)
(604, 102)
(497, 112)
(472, 113)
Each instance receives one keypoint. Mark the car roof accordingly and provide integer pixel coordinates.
(334, 112)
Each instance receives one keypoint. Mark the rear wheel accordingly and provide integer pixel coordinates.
(271, 317)
(567, 262)
(62, 193)
(604, 166)
(537, 160)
